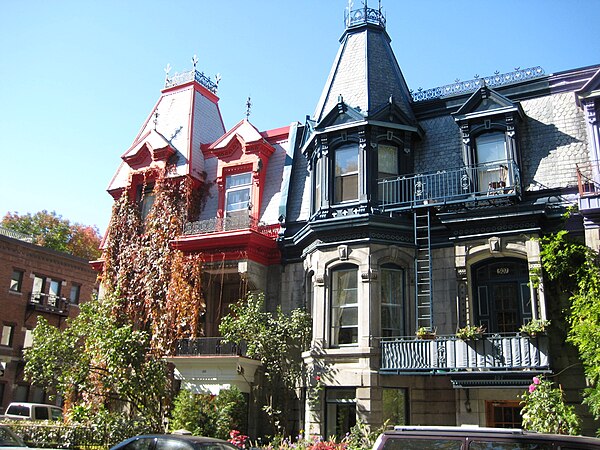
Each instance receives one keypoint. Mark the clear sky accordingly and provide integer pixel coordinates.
(78, 78)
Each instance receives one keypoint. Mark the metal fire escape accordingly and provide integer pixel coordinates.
(423, 283)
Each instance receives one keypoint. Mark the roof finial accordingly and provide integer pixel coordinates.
(194, 61)
(167, 70)
(248, 106)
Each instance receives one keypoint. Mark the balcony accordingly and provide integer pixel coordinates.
(50, 303)
(491, 182)
(209, 364)
(234, 223)
(209, 346)
(508, 352)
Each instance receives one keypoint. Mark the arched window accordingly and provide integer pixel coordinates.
(344, 305)
(392, 301)
(502, 297)
(345, 174)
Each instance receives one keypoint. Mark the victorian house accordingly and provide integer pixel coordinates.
(389, 213)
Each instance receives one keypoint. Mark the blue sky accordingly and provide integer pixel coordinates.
(78, 78)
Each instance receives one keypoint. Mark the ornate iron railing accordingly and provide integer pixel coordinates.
(465, 184)
(16, 235)
(500, 352)
(232, 223)
(462, 87)
(209, 346)
(363, 16)
(49, 303)
(192, 75)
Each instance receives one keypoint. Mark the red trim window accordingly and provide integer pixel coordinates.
(238, 192)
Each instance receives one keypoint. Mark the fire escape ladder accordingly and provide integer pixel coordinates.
(423, 285)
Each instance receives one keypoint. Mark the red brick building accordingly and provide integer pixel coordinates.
(34, 281)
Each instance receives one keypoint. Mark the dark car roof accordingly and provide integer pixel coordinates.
(485, 432)
(179, 437)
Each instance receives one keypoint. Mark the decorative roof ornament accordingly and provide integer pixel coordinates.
(217, 79)
(364, 15)
(194, 60)
(167, 70)
(248, 106)
(463, 87)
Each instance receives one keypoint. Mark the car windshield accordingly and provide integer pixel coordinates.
(9, 439)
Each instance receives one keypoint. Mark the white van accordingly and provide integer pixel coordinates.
(33, 411)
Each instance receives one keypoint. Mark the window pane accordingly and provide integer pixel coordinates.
(74, 294)
(239, 179)
(344, 306)
(341, 411)
(490, 147)
(394, 406)
(7, 333)
(38, 285)
(494, 445)
(16, 281)
(392, 302)
(422, 444)
(346, 174)
(238, 199)
(387, 160)
(346, 160)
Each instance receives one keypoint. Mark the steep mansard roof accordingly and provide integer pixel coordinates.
(185, 116)
(365, 73)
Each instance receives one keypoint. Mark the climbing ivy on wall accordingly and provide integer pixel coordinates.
(159, 286)
(571, 269)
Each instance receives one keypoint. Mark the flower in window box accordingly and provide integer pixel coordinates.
(425, 333)
(470, 332)
(535, 327)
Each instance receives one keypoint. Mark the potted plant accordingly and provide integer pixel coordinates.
(470, 332)
(425, 333)
(535, 327)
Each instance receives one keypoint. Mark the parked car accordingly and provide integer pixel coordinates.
(173, 442)
(10, 441)
(32, 411)
(478, 438)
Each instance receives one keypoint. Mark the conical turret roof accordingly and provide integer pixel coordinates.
(365, 72)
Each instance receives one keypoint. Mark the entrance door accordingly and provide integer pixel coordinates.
(502, 299)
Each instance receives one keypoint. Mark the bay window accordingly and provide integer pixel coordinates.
(344, 306)
(345, 176)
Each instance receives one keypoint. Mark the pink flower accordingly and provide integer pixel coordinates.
(532, 387)
(536, 380)
(318, 378)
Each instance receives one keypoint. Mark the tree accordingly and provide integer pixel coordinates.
(52, 231)
(544, 409)
(99, 360)
(210, 415)
(277, 340)
(572, 269)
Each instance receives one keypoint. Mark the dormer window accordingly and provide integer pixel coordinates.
(491, 160)
(147, 197)
(488, 123)
(345, 182)
(238, 188)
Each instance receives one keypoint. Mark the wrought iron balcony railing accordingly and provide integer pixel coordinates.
(219, 224)
(588, 178)
(49, 303)
(209, 346)
(493, 352)
(465, 184)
